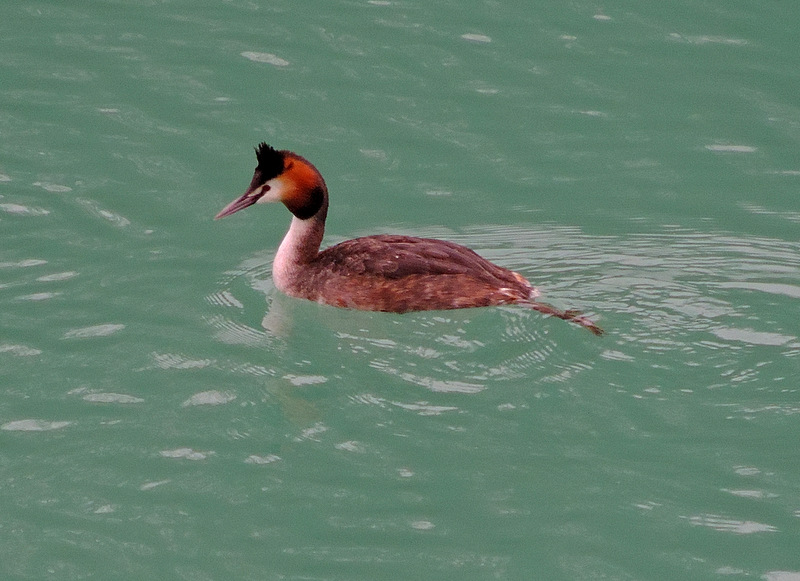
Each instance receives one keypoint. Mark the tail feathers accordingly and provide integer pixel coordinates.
(572, 315)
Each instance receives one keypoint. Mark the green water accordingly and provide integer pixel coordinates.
(166, 414)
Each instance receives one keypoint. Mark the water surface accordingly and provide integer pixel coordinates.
(165, 413)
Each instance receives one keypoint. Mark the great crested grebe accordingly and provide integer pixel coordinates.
(389, 273)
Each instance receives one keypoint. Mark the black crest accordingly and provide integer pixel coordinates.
(270, 161)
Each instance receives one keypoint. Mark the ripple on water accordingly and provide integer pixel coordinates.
(21, 210)
(187, 454)
(38, 296)
(265, 57)
(728, 525)
(439, 352)
(211, 397)
(50, 187)
(19, 350)
(425, 409)
(788, 290)
(104, 330)
(234, 332)
(224, 298)
(256, 459)
(753, 337)
(33, 425)
(478, 38)
(177, 361)
(431, 383)
(727, 148)
(57, 276)
(781, 576)
(112, 398)
(95, 209)
(301, 380)
(27, 263)
(700, 294)
(708, 39)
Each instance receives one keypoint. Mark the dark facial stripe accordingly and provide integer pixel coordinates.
(311, 206)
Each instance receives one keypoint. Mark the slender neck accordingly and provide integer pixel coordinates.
(302, 241)
(300, 246)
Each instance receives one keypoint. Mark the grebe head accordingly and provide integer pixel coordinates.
(282, 176)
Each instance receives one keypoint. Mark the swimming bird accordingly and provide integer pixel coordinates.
(387, 272)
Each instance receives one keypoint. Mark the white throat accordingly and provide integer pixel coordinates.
(299, 246)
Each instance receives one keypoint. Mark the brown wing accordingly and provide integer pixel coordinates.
(395, 257)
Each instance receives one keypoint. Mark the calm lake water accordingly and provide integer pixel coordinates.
(166, 414)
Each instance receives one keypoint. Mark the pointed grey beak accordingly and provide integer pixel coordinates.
(249, 198)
